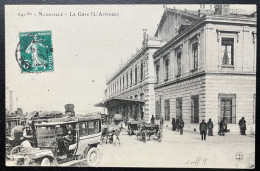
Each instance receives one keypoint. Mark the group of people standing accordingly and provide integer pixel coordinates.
(178, 125)
(205, 128)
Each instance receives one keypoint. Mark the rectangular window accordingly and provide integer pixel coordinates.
(167, 110)
(82, 129)
(179, 108)
(120, 82)
(179, 63)
(227, 108)
(195, 109)
(195, 55)
(123, 82)
(135, 74)
(126, 80)
(166, 65)
(131, 77)
(157, 109)
(142, 71)
(157, 73)
(227, 51)
(93, 127)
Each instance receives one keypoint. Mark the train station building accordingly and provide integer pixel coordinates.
(199, 65)
(130, 91)
(208, 71)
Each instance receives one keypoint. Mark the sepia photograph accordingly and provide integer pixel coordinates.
(133, 85)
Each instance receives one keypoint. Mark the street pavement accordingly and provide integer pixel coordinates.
(175, 150)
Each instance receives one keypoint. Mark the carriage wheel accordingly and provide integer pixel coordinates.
(45, 162)
(130, 131)
(92, 157)
(15, 150)
(144, 136)
(159, 136)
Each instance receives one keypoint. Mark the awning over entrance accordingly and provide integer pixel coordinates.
(118, 100)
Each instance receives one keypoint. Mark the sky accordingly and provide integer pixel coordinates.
(86, 50)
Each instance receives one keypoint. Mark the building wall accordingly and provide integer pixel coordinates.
(144, 86)
(183, 89)
(243, 86)
(186, 59)
(238, 79)
(244, 47)
(172, 23)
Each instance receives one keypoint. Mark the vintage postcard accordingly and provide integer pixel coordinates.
(166, 85)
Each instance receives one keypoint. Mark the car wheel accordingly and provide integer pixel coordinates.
(45, 162)
(92, 157)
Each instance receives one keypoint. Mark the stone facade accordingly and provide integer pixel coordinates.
(214, 62)
(135, 80)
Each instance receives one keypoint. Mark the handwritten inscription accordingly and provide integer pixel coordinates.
(197, 162)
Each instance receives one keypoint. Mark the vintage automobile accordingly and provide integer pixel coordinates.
(62, 141)
(11, 122)
(14, 125)
(19, 129)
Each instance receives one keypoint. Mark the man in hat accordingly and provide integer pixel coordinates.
(222, 127)
(210, 127)
(181, 125)
(203, 129)
(152, 119)
(242, 125)
(173, 124)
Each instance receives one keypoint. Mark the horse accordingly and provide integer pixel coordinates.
(114, 132)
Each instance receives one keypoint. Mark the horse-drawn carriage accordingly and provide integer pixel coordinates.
(133, 126)
(110, 132)
(148, 130)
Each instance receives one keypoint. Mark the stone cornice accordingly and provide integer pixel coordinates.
(203, 20)
(202, 73)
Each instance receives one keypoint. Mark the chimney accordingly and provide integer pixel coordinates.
(11, 101)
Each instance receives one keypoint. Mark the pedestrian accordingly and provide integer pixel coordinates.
(173, 124)
(177, 124)
(242, 125)
(152, 120)
(225, 125)
(210, 127)
(222, 128)
(203, 129)
(181, 125)
(161, 123)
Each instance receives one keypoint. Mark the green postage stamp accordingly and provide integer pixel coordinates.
(36, 51)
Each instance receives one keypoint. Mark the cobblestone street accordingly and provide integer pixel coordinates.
(180, 151)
